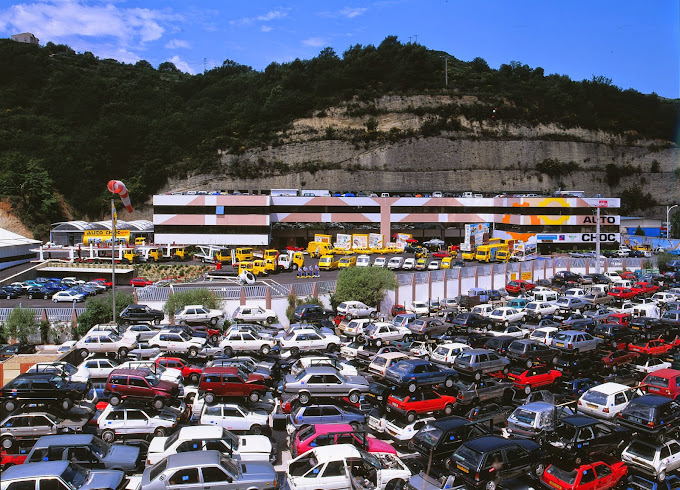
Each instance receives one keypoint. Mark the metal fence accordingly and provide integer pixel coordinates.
(53, 314)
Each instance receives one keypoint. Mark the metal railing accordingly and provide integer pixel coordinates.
(53, 314)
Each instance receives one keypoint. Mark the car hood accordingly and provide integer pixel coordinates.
(157, 445)
(123, 455)
(258, 470)
(255, 378)
(289, 378)
(378, 446)
(103, 479)
(254, 444)
(357, 380)
(167, 386)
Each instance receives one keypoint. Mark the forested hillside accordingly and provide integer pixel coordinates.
(71, 122)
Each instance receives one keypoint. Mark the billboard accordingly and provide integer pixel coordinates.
(375, 240)
(104, 236)
(322, 238)
(577, 237)
(476, 234)
(343, 241)
(359, 241)
(401, 239)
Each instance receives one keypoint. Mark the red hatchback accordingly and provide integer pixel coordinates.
(664, 382)
(618, 358)
(654, 347)
(593, 476)
(192, 373)
(622, 319)
(644, 288)
(516, 287)
(331, 434)
(423, 401)
(621, 293)
(140, 282)
(528, 379)
(229, 382)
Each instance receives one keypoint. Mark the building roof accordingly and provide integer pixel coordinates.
(8, 238)
(135, 225)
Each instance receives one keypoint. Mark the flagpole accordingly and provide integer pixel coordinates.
(113, 258)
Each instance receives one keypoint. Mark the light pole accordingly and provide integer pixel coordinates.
(668, 221)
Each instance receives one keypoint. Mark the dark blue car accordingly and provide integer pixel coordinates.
(637, 482)
(413, 373)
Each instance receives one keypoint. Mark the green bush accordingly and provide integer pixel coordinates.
(21, 324)
(100, 310)
(365, 284)
(294, 302)
(662, 259)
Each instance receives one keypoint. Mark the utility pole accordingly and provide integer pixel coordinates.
(446, 71)
(204, 65)
(597, 241)
(668, 220)
(113, 258)
(416, 38)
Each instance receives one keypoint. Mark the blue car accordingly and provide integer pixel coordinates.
(326, 414)
(637, 482)
(413, 373)
(577, 387)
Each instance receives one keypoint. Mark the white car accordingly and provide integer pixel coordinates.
(246, 342)
(99, 368)
(448, 303)
(208, 438)
(380, 262)
(434, 265)
(575, 293)
(657, 459)
(66, 346)
(381, 362)
(539, 309)
(235, 418)
(613, 276)
(124, 421)
(253, 314)
(625, 307)
(323, 361)
(447, 353)
(356, 309)
(168, 341)
(68, 296)
(64, 369)
(376, 421)
(485, 309)
(349, 351)
(363, 261)
(409, 264)
(665, 297)
(605, 401)
(418, 307)
(198, 314)
(141, 331)
(104, 343)
(506, 315)
(395, 263)
(500, 330)
(402, 431)
(649, 364)
(544, 334)
(377, 333)
(354, 327)
(297, 341)
(336, 466)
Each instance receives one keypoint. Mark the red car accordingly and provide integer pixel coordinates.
(593, 476)
(644, 288)
(528, 379)
(621, 293)
(654, 347)
(424, 401)
(103, 282)
(398, 310)
(441, 254)
(619, 319)
(230, 382)
(626, 275)
(664, 382)
(140, 282)
(192, 373)
(331, 434)
(8, 459)
(618, 358)
(140, 385)
(516, 287)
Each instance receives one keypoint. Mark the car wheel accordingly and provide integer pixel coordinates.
(122, 352)
(332, 347)
(159, 432)
(477, 375)
(255, 430)
(426, 357)
(182, 322)
(254, 397)
(448, 409)
(10, 406)
(193, 352)
(295, 351)
(189, 398)
(661, 437)
(449, 382)
(615, 368)
(108, 436)
(30, 296)
(348, 316)
(194, 377)
(330, 318)
(210, 398)
(271, 319)
(492, 484)
(506, 370)
(215, 339)
(228, 351)
(485, 329)
(354, 397)
(411, 417)
(304, 399)
(213, 321)
(84, 353)
(114, 400)
(355, 426)
(527, 389)
(378, 343)
(554, 360)
(157, 321)
(158, 403)
(538, 470)
(506, 324)
(7, 442)
(66, 404)
(265, 349)
(661, 476)
(539, 316)
(530, 363)
(412, 387)
(55, 300)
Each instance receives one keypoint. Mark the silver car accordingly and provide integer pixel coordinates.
(575, 341)
(29, 424)
(475, 362)
(324, 381)
(208, 470)
(60, 474)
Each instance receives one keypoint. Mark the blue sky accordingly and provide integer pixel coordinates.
(635, 43)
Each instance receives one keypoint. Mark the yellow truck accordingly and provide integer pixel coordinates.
(469, 254)
(328, 262)
(346, 262)
(289, 260)
(503, 255)
(244, 254)
(487, 253)
(256, 267)
(317, 249)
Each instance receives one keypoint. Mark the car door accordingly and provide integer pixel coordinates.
(83, 456)
(249, 342)
(309, 415)
(20, 427)
(93, 367)
(136, 422)
(314, 341)
(184, 478)
(333, 384)
(214, 478)
(585, 439)
(672, 461)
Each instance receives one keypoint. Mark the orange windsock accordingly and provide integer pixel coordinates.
(117, 187)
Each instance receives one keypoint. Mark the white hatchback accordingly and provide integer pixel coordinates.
(605, 401)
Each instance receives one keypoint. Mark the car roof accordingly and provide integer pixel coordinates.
(391, 355)
(537, 406)
(194, 458)
(194, 431)
(610, 388)
(131, 371)
(321, 370)
(488, 443)
(35, 470)
(666, 373)
(451, 422)
(333, 453)
(329, 428)
(64, 439)
(579, 420)
(651, 400)
(478, 351)
(221, 369)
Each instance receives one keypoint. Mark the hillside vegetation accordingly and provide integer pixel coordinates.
(71, 122)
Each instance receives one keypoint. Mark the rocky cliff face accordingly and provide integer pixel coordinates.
(385, 145)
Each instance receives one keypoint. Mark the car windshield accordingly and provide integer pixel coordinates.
(568, 477)
(561, 336)
(596, 397)
(470, 458)
(185, 336)
(171, 440)
(99, 447)
(371, 459)
(656, 381)
(637, 410)
(152, 379)
(464, 358)
(402, 366)
(231, 467)
(428, 435)
(524, 416)
(442, 351)
(75, 476)
(641, 450)
(497, 313)
(306, 432)
(566, 431)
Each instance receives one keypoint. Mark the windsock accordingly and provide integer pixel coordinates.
(117, 187)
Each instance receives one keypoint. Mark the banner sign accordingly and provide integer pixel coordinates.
(360, 241)
(343, 241)
(577, 237)
(322, 238)
(104, 236)
(375, 240)
(476, 234)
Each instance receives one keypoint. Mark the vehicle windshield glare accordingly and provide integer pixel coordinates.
(656, 381)
(99, 447)
(75, 476)
(641, 450)
(428, 435)
(596, 397)
(524, 416)
(470, 458)
(152, 379)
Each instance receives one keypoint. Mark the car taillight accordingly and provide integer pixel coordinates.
(579, 403)
(461, 396)
(605, 410)
(650, 424)
(569, 346)
(476, 476)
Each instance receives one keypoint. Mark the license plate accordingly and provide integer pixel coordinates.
(462, 468)
(559, 368)
(553, 484)
(559, 344)
(636, 328)
(590, 405)
(601, 336)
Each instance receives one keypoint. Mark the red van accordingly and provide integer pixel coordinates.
(664, 382)
(217, 382)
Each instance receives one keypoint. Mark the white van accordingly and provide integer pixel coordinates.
(363, 261)
(649, 310)
(380, 261)
(395, 263)
(546, 296)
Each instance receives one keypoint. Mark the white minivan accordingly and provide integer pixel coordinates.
(395, 263)
(380, 261)
(363, 261)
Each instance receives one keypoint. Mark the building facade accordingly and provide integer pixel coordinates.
(294, 220)
(25, 37)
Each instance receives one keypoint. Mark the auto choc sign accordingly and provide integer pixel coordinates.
(577, 237)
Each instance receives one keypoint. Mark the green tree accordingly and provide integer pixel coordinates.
(675, 224)
(195, 296)
(100, 310)
(662, 259)
(639, 231)
(21, 324)
(365, 284)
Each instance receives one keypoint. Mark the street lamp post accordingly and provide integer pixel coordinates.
(668, 221)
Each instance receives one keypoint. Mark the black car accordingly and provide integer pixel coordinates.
(378, 393)
(311, 313)
(648, 328)
(653, 416)
(578, 436)
(625, 376)
(141, 313)
(573, 366)
(475, 340)
(499, 344)
(496, 459)
(38, 292)
(613, 334)
(562, 278)
(41, 388)
(467, 322)
(600, 278)
(8, 292)
(439, 438)
(529, 352)
(8, 350)
(498, 414)
(576, 387)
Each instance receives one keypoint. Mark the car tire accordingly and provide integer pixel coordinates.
(159, 432)
(115, 400)
(411, 417)
(348, 316)
(492, 484)
(539, 317)
(122, 352)
(449, 382)
(108, 436)
(426, 357)
(158, 403)
(412, 387)
(661, 476)
(304, 399)
(7, 442)
(529, 363)
(157, 321)
(485, 329)
(506, 370)
(255, 430)
(254, 397)
(30, 296)
(10, 406)
(194, 377)
(182, 322)
(378, 343)
(448, 409)
(330, 318)
(210, 398)
(527, 389)
(354, 397)
(295, 351)
(193, 352)
(55, 300)
(355, 426)
(213, 321)
(265, 349)
(228, 351)
(66, 404)
(215, 339)
(538, 470)
(271, 319)
(189, 398)
(373, 314)
(477, 375)
(332, 347)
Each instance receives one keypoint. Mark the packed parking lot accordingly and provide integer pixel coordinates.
(570, 383)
